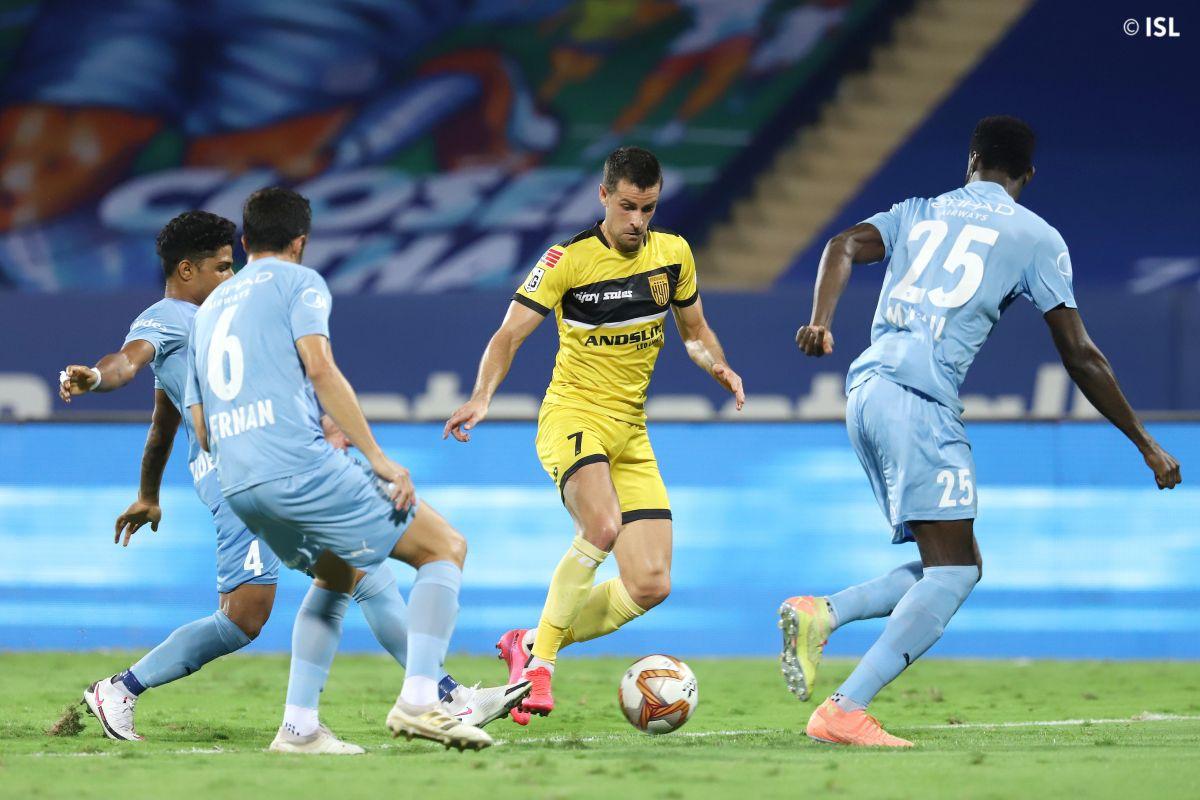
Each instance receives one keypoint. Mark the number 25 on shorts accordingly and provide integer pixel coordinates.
(966, 488)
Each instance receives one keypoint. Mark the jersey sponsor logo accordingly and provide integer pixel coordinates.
(314, 299)
(550, 259)
(642, 338)
(660, 288)
(534, 280)
(970, 209)
(596, 297)
(147, 323)
(1064, 264)
(615, 300)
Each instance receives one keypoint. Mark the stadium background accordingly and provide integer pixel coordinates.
(445, 145)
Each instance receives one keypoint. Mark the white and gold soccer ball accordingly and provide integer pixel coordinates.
(658, 694)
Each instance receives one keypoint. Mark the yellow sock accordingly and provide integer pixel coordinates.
(568, 591)
(607, 608)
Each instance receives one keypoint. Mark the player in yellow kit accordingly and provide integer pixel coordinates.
(610, 288)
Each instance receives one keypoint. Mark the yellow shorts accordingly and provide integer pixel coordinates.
(569, 438)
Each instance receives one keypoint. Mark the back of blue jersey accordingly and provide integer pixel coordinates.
(956, 262)
(262, 415)
(167, 327)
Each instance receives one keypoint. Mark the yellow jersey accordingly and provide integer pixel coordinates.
(611, 308)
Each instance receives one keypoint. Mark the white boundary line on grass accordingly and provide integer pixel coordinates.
(1145, 716)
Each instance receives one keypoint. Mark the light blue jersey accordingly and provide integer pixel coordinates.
(167, 326)
(956, 263)
(262, 415)
(277, 472)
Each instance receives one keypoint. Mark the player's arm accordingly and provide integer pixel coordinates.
(110, 373)
(1092, 373)
(519, 322)
(337, 397)
(159, 441)
(705, 350)
(861, 244)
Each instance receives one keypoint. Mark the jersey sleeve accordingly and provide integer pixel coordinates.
(547, 281)
(1048, 279)
(157, 327)
(687, 291)
(311, 306)
(888, 225)
(191, 385)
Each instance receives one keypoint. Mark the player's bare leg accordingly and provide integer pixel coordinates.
(643, 552)
(437, 551)
(952, 567)
(241, 615)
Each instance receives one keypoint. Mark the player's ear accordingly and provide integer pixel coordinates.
(298, 246)
(186, 270)
(245, 247)
(603, 195)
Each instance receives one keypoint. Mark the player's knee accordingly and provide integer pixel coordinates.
(651, 588)
(250, 619)
(455, 547)
(601, 531)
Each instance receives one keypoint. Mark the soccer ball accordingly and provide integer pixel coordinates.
(658, 694)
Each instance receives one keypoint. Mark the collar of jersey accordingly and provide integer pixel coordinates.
(599, 231)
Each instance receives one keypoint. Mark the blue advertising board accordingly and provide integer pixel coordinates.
(1083, 557)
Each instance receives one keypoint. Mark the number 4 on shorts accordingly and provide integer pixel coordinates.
(253, 559)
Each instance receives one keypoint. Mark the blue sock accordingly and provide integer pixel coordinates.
(875, 598)
(186, 650)
(386, 613)
(916, 623)
(315, 638)
(433, 610)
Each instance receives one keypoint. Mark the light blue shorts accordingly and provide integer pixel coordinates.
(337, 506)
(915, 452)
(241, 556)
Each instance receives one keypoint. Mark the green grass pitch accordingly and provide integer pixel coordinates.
(1123, 730)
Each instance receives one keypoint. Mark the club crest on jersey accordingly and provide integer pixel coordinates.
(660, 289)
(550, 259)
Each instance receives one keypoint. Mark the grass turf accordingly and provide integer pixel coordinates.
(207, 734)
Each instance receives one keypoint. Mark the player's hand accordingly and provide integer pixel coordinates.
(469, 414)
(400, 489)
(336, 437)
(731, 381)
(1164, 466)
(75, 380)
(138, 514)
(815, 340)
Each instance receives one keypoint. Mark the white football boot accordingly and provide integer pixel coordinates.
(433, 723)
(478, 707)
(321, 742)
(109, 703)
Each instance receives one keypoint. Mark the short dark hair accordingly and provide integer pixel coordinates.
(273, 217)
(192, 235)
(1004, 143)
(634, 164)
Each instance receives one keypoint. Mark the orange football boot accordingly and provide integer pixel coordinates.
(830, 724)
